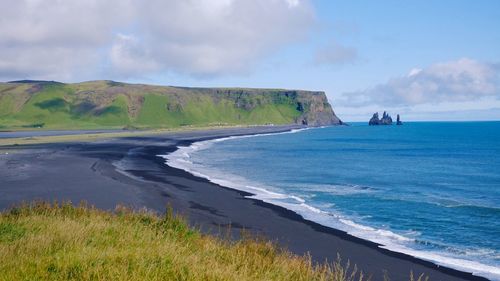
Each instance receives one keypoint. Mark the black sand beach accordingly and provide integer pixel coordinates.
(127, 171)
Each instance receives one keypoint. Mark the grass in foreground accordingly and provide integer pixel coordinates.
(44, 241)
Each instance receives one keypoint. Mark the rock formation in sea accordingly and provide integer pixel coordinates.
(398, 121)
(374, 120)
(385, 120)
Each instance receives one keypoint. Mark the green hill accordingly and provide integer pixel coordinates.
(108, 104)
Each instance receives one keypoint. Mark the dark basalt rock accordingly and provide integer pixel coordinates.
(398, 121)
(374, 120)
(385, 120)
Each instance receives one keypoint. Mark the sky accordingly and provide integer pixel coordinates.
(424, 60)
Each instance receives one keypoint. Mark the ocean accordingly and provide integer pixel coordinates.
(427, 189)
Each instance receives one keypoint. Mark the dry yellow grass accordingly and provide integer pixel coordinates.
(44, 241)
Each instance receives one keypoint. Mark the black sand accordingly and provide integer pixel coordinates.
(127, 171)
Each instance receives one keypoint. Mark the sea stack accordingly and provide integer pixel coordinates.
(374, 120)
(398, 121)
(385, 120)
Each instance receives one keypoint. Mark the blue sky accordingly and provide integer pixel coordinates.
(361, 53)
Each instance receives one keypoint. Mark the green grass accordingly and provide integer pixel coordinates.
(112, 105)
(61, 242)
(114, 114)
(154, 112)
(202, 110)
(6, 105)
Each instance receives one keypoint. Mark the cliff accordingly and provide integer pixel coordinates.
(109, 104)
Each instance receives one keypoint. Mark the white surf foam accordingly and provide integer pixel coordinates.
(389, 240)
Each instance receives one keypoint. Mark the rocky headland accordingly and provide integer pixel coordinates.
(116, 105)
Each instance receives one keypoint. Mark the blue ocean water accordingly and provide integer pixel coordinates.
(429, 189)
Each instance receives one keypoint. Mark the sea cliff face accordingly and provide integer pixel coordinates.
(317, 109)
(109, 104)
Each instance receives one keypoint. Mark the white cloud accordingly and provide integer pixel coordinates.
(414, 71)
(334, 54)
(293, 3)
(55, 38)
(50, 39)
(455, 81)
(128, 55)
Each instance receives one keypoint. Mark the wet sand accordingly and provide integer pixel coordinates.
(127, 171)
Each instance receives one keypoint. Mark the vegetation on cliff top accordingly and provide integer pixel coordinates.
(108, 104)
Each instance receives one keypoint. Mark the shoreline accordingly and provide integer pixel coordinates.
(259, 195)
(293, 215)
(148, 182)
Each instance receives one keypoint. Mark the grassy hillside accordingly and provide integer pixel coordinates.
(108, 104)
(62, 242)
